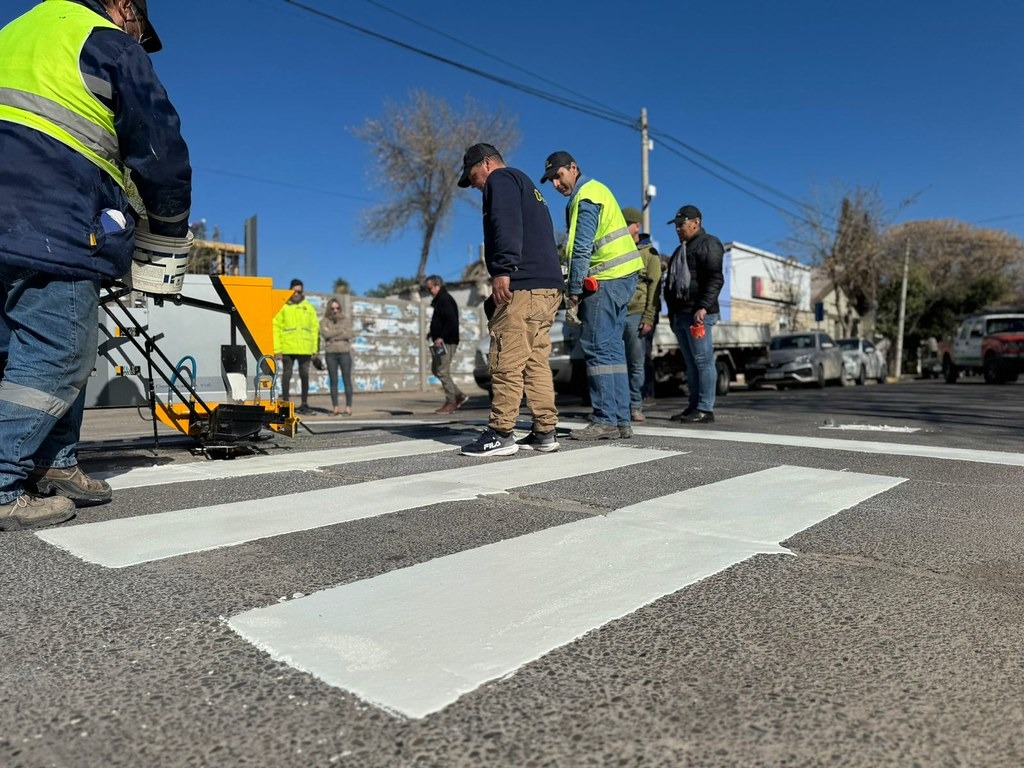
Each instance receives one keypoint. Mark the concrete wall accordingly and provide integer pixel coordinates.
(390, 353)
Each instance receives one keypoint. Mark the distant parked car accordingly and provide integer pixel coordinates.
(809, 357)
(863, 360)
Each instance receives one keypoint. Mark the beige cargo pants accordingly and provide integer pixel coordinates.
(520, 346)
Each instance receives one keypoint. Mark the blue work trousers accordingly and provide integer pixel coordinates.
(48, 333)
(699, 355)
(636, 354)
(603, 314)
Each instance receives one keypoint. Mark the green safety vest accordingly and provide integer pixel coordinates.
(42, 86)
(615, 254)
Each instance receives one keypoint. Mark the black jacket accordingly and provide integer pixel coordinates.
(704, 255)
(444, 324)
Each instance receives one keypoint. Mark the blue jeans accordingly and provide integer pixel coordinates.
(636, 354)
(340, 361)
(603, 314)
(699, 355)
(48, 331)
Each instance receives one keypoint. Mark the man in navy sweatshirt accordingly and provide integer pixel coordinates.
(527, 285)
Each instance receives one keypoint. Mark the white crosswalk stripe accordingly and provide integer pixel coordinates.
(415, 640)
(134, 540)
(299, 461)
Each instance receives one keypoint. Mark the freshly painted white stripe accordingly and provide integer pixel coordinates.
(684, 432)
(133, 540)
(291, 461)
(870, 428)
(414, 640)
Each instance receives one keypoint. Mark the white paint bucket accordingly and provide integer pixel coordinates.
(159, 263)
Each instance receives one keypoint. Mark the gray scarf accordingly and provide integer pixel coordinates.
(678, 283)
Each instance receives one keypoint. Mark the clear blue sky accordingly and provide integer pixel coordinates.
(905, 96)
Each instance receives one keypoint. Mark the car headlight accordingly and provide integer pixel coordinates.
(802, 360)
(559, 349)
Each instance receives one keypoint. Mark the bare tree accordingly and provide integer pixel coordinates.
(417, 149)
(844, 238)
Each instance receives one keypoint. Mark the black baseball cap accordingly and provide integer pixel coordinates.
(555, 161)
(686, 212)
(474, 155)
(295, 283)
(150, 40)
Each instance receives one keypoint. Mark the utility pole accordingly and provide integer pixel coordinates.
(645, 147)
(903, 312)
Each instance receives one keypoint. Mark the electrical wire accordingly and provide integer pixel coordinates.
(589, 107)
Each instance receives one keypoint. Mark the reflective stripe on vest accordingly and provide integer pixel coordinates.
(42, 86)
(615, 254)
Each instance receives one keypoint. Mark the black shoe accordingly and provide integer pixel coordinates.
(700, 417)
(684, 416)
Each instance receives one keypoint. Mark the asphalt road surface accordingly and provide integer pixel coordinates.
(822, 578)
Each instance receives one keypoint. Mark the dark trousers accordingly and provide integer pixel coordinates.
(342, 361)
(286, 381)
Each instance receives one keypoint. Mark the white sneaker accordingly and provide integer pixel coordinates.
(490, 443)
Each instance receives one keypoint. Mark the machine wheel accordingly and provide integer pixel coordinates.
(722, 378)
(949, 371)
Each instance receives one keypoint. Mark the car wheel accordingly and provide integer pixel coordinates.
(862, 376)
(820, 381)
(991, 370)
(883, 374)
(721, 378)
(949, 371)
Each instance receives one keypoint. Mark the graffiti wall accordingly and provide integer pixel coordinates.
(390, 351)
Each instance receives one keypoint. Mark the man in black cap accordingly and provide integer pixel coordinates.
(79, 103)
(526, 278)
(604, 265)
(691, 293)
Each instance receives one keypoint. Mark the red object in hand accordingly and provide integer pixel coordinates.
(589, 284)
(697, 331)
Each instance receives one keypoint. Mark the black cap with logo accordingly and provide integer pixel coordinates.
(475, 154)
(555, 161)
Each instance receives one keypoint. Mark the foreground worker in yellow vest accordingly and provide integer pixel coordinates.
(79, 104)
(603, 267)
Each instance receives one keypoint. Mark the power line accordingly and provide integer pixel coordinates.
(593, 109)
(561, 101)
(489, 54)
(284, 184)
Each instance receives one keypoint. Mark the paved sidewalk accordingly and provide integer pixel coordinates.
(114, 424)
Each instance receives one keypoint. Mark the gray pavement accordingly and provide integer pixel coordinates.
(890, 635)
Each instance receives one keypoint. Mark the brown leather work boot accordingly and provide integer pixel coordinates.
(33, 512)
(70, 482)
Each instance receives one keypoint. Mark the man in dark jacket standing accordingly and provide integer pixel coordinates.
(527, 284)
(444, 340)
(79, 104)
(691, 293)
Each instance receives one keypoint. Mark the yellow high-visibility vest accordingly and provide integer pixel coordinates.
(615, 253)
(42, 86)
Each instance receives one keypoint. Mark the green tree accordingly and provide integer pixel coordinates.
(395, 287)
(341, 286)
(417, 151)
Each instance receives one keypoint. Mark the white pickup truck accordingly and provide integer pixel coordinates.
(736, 345)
